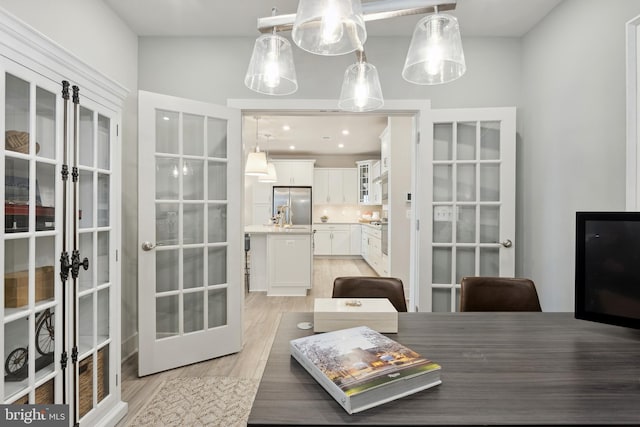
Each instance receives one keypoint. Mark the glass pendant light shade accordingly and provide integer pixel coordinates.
(256, 164)
(361, 89)
(271, 176)
(329, 27)
(435, 54)
(271, 70)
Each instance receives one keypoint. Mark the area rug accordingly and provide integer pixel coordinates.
(203, 401)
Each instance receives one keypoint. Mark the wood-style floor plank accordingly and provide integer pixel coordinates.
(261, 317)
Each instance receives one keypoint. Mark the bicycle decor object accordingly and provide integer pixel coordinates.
(16, 365)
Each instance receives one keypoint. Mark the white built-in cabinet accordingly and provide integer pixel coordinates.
(356, 235)
(369, 190)
(43, 318)
(335, 186)
(298, 172)
(371, 249)
(376, 186)
(290, 264)
(385, 151)
(330, 239)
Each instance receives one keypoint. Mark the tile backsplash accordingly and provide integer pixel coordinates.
(344, 213)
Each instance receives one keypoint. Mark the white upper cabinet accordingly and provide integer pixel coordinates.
(368, 171)
(335, 186)
(321, 186)
(294, 172)
(385, 150)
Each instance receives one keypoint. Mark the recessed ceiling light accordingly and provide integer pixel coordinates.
(292, 147)
(286, 127)
(165, 118)
(340, 145)
(345, 131)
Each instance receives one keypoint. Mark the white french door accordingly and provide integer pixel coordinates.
(468, 207)
(190, 232)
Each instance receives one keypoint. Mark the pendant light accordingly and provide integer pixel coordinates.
(271, 70)
(361, 89)
(257, 160)
(329, 27)
(435, 54)
(271, 175)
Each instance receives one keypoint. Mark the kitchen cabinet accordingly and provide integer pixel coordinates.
(355, 231)
(385, 150)
(38, 305)
(368, 188)
(336, 186)
(376, 186)
(290, 264)
(332, 239)
(294, 172)
(372, 249)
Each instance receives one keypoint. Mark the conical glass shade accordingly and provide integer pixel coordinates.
(329, 27)
(361, 88)
(256, 164)
(271, 70)
(435, 54)
(271, 176)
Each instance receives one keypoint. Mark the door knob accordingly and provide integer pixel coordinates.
(147, 246)
(507, 243)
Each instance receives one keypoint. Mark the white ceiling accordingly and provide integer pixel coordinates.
(498, 18)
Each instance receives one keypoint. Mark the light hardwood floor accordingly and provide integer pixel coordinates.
(261, 317)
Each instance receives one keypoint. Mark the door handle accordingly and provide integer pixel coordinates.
(147, 246)
(507, 243)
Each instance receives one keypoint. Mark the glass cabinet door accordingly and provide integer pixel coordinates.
(31, 237)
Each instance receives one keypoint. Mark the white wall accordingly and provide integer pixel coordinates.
(571, 150)
(95, 34)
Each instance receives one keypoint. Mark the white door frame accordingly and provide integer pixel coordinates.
(633, 124)
(417, 107)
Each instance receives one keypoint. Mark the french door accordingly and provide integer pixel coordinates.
(190, 232)
(469, 206)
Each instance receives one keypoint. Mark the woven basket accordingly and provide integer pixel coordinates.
(18, 141)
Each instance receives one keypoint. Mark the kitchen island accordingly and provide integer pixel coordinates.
(281, 259)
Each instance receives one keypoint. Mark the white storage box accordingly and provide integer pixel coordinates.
(331, 314)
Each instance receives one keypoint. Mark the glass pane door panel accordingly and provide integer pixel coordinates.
(85, 323)
(193, 135)
(86, 381)
(443, 141)
(489, 224)
(443, 183)
(466, 147)
(217, 307)
(217, 181)
(441, 265)
(104, 142)
(193, 261)
(442, 224)
(45, 196)
(489, 262)
(216, 138)
(466, 191)
(45, 394)
(16, 352)
(193, 224)
(16, 274)
(167, 312)
(167, 178)
(193, 311)
(466, 224)
(16, 187)
(217, 266)
(102, 266)
(489, 140)
(44, 343)
(85, 184)
(167, 223)
(465, 263)
(45, 269)
(104, 189)
(167, 275)
(490, 182)
(103, 315)
(86, 137)
(45, 123)
(217, 223)
(103, 366)
(167, 132)
(17, 106)
(85, 241)
(441, 300)
(193, 180)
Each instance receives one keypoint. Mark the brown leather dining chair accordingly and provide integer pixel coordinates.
(371, 287)
(498, 294)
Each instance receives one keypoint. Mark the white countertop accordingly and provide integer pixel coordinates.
(272, 229)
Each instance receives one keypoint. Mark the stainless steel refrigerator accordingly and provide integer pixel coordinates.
(299, 201)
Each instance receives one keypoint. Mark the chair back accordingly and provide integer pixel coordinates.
(371, 287)
(498, 294)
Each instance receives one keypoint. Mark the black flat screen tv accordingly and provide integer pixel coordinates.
(607, 287)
